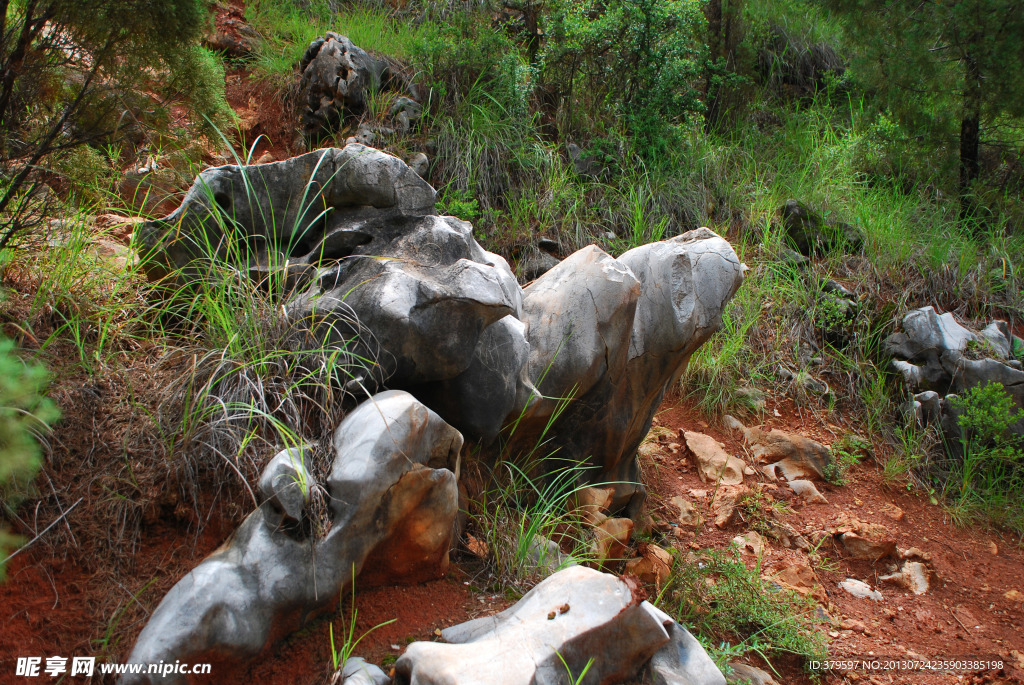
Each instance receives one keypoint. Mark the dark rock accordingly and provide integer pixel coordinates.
(336, 79)
(811, 234)
(536, 265)
(308, 209)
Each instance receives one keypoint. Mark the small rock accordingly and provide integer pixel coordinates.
(611, 539)
(725, 502)
(859, 547)
(688, 515)
(1014, 596)
(853, 624)
(750, 542)
(358, 672)
(993, 548)
(798, 576)
(420, 164)
(266, 158)
(748, 675)
(913, 576)
(653, 567)
(733, 424)
(860, 589)
(714, 464)
(806, 489)
(591, 504)
(892, 511)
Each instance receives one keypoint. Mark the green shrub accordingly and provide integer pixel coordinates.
(24, 411)
(732, 606)
(986, 479)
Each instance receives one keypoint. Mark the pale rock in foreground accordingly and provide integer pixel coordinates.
(572, 616)
(394, 499)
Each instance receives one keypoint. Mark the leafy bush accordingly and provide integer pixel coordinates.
(987, 480)
(726, 603)
(641, 58)
(24, 410)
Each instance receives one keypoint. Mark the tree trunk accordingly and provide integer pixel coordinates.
(970, 137)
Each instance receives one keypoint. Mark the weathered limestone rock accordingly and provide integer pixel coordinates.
(934, 353)
(358, 672)
(795, 456)
(812, 234)
(683, 660)
(424, 291)
(394, 499)
(308, 210)
(574, 615)
(337, 78)
(614, 335)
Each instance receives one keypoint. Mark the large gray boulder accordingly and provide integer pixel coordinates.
(574, 617)
(422, 288)
(393, 499)
(614, 335)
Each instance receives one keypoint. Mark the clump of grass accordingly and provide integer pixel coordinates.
(517, 514)
(730, 607)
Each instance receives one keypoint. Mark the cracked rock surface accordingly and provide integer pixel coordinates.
(570, 618)
(393, 494)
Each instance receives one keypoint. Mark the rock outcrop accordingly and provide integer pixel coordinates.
(938, 357)
(393, 499)
(575, 366)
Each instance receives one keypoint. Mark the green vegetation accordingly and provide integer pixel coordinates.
(729, 605)
(340, 654)
(25, 414)
(983, 477)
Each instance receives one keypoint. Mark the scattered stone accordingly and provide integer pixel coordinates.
(913, 576)
(358, 671)
(854, 625)
(798, 576)
(714, 464)
(787, 535)
(420, 164)
(859, 547)
(725, 503)
(536, 265)
(750, 543)
(591, 504)
(915, 553)
(811, 234)
(794, 455)
(1014, 596)
(860, 589)
(688, 514)
(611, 538)
(546, 556)
(993, 548)
(733, 424)
(892, 511)
(521, 646)
(807, 490)
(653, 566)
(744, 674)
